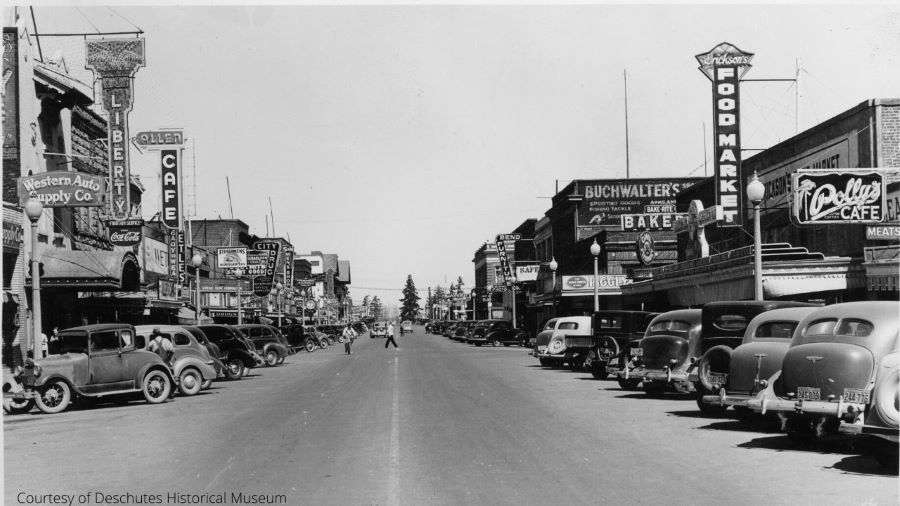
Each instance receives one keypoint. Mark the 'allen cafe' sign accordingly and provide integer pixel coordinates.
(725, 65)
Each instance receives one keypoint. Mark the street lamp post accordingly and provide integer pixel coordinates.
(756, 191)
(34, 209)
(197, 260)
(490, 301)
(553, 266)
(595, 250)
(276, 291)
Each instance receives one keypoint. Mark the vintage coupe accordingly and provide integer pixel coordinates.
(666, 353)
(298, 339)
(738, 376)
(214, 352)
(495, 333)
(191, 363)
(840, 366)
(615, 334)
(268, 342)
(550, 345)
(95, 361)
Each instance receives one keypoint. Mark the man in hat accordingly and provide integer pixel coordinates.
(161, 345)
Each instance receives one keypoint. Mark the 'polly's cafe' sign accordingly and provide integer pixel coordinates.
(63, 189)
(838, 196)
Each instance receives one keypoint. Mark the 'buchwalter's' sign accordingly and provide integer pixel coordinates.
(170, 213)
(115, 61)
(604, 201)
(125, 232)
(725, 65)
(160, 138)
(838, 196)
(62, 189)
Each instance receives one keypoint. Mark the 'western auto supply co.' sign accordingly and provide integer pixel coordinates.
(63, 189)
(725, 65)
(838, 196)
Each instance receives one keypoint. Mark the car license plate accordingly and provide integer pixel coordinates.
(542, 349)
(637, 352)
(717, 378)
(857, 395)
(808, 393)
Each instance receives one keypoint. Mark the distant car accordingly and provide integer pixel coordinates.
(237, 355)
(191, 363)
(210, 346)
(740, 375)
(406, 327)
(95, 361)
(269, 343)
(321, 337)
(550, 345)
(298, 338)
(841, 370)
(379, 329)
(665, 354)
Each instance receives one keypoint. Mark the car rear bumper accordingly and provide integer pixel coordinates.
(723, 398)
(665, 376)
(837, 409)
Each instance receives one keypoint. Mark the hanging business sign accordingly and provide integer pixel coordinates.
(840, 196)
(62, 189)
(154, 256)
(262, 284)
(125, 232)
(725, 65)
(646, 248)
(115, 61)
(231, 258)
(605, 282)
(158, 139)
(648, 221)
(504, 258)
(175, 242)
(170, 212)
(527, 272)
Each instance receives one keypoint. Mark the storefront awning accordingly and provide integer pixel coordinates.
(90, 270)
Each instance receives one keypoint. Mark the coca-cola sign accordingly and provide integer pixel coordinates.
(838, 196)
(125, 232)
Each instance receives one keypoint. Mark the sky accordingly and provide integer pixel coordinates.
(402, 137)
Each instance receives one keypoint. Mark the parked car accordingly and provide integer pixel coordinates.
(214, 352)
(448, 328)
(550, 345)
(463, 331)
(334, 333)
(191, 362)
(360, 327)
(738, 376)
(379, 329)
(430, 326)
(268, 342)
(238, 356)
(612, 333)
(840, 367)
(321, 337)
(298, 338)
(667, 351)
(724, 325)
(95, 361)
(406, 327)
(495, 333)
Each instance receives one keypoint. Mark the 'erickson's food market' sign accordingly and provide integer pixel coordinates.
(725, 65)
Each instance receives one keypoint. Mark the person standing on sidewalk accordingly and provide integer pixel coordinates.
(349, 335)
(390, 336)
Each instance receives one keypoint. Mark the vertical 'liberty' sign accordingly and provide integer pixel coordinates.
(724, 65)
(115, 61)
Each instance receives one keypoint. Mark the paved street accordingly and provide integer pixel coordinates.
(435, 422)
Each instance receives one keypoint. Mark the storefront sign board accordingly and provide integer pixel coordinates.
(840, 196)
(125, 232)
(527, 272)
(605, 282)
(231, 258)
(156, 139)
(63, 189)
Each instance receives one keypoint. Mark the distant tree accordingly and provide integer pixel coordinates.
(376, 308)
(365, 305)
(409, 308)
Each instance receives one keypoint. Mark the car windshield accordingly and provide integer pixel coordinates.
(670, 326)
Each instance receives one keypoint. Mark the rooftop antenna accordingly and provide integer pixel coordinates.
(273, 216)
(797, 99)
(228, 185)
(627, 159)
(704, 149)
(267, 226)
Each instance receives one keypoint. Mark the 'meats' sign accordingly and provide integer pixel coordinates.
(724, 65)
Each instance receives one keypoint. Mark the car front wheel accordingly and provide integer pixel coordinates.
(156, 387)
(234, 369)
(271, 358)
(17, 406)
(190, 381)
(310, 346)
(496, 343)
(54, 397)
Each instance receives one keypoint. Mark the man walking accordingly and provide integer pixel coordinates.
(349, 335)
(390, 336)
